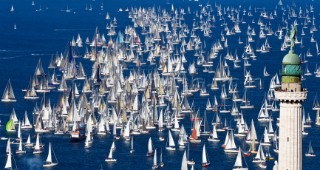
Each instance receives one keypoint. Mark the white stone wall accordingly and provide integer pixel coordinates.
(290, 136)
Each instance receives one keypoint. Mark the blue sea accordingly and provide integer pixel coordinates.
(44, 29)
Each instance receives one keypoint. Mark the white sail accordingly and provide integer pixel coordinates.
(110, 154)
(238, 163)
(160, 122)
(37, 146)
(49, 157)
(204, 155)
(260, 157)
(20, 146)
(113, 146)
(126, 133)
(171, 141)
(19, 131)
(8, 95)
(9, 161)
(184, 164)
(230, 146)
(214, 132)
(150, 150)
(155, 158)
(28, 141)
(8, 148)
(26, 120)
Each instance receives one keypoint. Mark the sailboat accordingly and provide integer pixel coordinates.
(184, 163)
(20, 149)
(246, 103)
(9, 161)
(110, 158)
(170, 144)
(28, 143)
(155, 163)
(265, 72)
(88, 141)
(37, 148)
(214, 136)
(189, 161)
(10, 125)
(49, 162)
(8, 95)
(307, 71)
(229, 145)
(264, 113)
(161, 162)
(238, 164)
(260, 157)
(19, 133)
(150, 150)
(266, 140)
(25, 122)
(195, 131)
(310, 152)
(318, 118)
(205, 162)
(12, 9)
(131, 145)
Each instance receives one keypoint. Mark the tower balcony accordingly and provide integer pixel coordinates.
(291, 96)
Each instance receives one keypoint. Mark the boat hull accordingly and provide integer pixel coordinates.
(50, 164)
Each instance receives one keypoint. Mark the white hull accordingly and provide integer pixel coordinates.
(20, 152)
(37, 151)
(30, 98)
(26, 127)
(41, 131)
(310, 155)
(191, 163)
(28, 145)
(224, 111)
(231, 150)
(214, 139)
(195, 141)
(247, 107)
(258, 161)
(170, 148)
(49, 164)
(110, 160)
(8, 100)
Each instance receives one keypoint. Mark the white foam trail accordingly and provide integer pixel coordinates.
(39, 54)
(8, 58)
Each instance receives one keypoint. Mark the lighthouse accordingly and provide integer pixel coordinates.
(291, 96)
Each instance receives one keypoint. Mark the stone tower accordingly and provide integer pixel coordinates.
(291, 95)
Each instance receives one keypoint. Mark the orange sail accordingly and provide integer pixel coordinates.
(194, 133)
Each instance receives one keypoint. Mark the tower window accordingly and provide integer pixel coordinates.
(287, 139)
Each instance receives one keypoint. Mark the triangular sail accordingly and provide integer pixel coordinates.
(171, 141)
(238, 162)
(9, 161)
(49, 157)
(204, 154)
(184, 164)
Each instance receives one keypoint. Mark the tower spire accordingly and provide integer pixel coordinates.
(293, 34)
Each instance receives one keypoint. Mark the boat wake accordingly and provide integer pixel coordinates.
(8, 58)
(33, 163)
(60, 30)
(39, 54)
